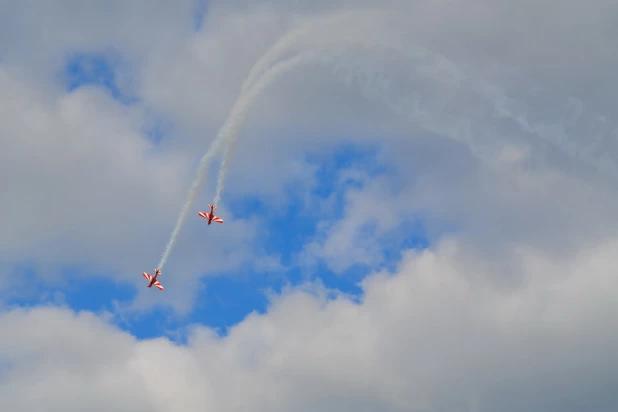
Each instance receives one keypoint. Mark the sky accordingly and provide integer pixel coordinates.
(420, 213)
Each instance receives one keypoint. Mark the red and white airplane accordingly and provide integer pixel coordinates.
(211, 216)
(153, 279)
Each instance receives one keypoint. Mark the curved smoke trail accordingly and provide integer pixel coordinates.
(443, 115)
(337, 47)
(375, 42)
(265, 62)
(311, 26)
(239, 114)
(232, 127)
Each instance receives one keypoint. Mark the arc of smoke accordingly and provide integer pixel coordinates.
(336, 46)
(232, 127)
(231, 138)
(373, 86)
(319, 25)
(242, 110)
(265, 62)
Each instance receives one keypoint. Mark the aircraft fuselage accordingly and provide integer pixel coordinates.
(154, 279)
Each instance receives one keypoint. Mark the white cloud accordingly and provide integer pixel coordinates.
(77, 164)
(435, 334)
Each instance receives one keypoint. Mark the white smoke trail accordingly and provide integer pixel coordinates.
(204, 163)
(274, 53)
(241, 110)
(333, 43)
(232, 127)
(434, 113)
(228, 154)
(335, 48)
(314, 26)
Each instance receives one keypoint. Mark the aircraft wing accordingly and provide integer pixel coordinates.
(217, 219)
(147, 276)
(204, 215)
(158, 285)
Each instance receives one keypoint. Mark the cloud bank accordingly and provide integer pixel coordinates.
(434, 335)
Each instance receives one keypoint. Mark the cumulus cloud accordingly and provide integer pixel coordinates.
(432, 336)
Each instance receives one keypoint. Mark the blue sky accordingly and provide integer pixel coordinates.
(225, 300)
(96, 69)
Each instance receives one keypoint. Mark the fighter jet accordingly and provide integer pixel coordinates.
(153, 279)
(211, 216)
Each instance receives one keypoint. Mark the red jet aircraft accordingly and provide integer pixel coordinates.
(153, 279)
(211, 216)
